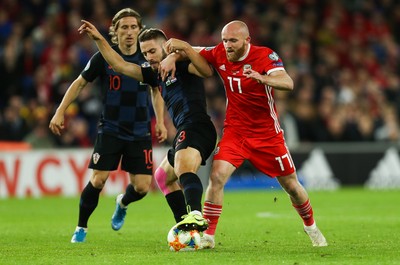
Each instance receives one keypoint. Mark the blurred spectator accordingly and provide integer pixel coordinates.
(13, 127)
(344, 57)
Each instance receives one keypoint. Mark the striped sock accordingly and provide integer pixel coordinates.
(306, 212)
(212, 212)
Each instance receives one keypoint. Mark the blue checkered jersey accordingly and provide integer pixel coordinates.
(125, 112)
(184, 95)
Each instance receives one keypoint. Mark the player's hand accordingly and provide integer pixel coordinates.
(249, 73)
(161, 132)
(57, 123)
(167, 67)
(175, 45)
(90, 30)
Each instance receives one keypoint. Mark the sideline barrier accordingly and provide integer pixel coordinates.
(56, 172)
(36, 173)
(14, 146)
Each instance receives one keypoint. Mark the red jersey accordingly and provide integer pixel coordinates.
(250, 109)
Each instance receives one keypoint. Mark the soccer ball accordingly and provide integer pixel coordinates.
(180, 240)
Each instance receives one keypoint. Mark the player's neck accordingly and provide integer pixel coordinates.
(127, 50)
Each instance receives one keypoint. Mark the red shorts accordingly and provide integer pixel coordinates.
(269, 155)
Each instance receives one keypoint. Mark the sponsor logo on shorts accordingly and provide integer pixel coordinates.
(96, 158)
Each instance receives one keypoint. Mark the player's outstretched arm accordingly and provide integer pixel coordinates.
(199, 65)
(111, 56)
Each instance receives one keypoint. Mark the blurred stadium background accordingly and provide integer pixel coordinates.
(341, 122)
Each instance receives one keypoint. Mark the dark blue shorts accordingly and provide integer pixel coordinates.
(136, 157)
(201, 136)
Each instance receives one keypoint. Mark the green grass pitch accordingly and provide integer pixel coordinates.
(256, 227)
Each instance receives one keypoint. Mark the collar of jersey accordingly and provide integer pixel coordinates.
(245, 55)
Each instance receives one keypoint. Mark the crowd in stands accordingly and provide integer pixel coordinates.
(344, 58)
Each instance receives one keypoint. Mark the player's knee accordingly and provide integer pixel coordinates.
(217, 181)
(98, 181)
(291, 185)
(143, 186)
(142, 189)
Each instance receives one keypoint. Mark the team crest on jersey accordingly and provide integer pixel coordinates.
(246, 67)
(145, 64)
(96, 158)
(273, 56)
(170, 80)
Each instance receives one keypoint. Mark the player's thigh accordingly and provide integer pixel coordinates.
(137, 157)
(107, 153)
(187, 160)
(272, 157)
(201, 136)
(232, 149)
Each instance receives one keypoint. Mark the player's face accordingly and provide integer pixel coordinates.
(128, 31)
(153, 52)
(235, 43)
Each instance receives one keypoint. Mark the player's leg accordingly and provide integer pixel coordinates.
(137, 160)
(301, 203)
(273, 158)
(229, 155)
(220, 173)
(167, 183)
(193, 146)
(88, 203)
(187, 163)
(105, 158)
(135, 191)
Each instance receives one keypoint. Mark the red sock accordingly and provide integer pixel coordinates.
(306, 213)
(212, 212)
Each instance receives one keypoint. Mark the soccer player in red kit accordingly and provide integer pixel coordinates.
(251, 129)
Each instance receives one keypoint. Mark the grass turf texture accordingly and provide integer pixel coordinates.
(256, 227)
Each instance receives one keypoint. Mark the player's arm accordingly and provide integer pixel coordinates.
(277, 79)
(158, 106)
(111, 56)
(199, 66)
(168, 67)
(57, 122)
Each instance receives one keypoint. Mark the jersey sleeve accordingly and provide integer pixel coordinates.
(93, 68)
(149, 76)
(208, 54)
(273, 62)
(183, 66)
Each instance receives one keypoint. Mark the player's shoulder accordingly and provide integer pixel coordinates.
(214, 48)
(263, 51)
